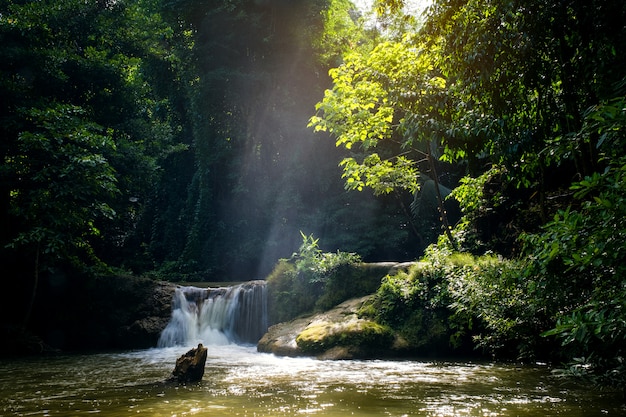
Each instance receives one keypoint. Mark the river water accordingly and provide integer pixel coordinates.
(239, 381)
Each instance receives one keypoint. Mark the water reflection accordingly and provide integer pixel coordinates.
(241, 382)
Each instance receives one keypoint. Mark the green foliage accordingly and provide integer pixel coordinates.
(525, 101)
(568, 282)
(402, 304)
(254, 174)
(478, 198)
(470, 191)
(287, 296)
(315, 266)
(491, 302)
(577, 265)
(454, 302)
(521, 96)
(414, 303)
(205, 105)
(382, 176)
(586, 242)
(363, 109)
(594, 336)
(83, 123)
(606, 121)
(378, 99)
(343, 31)
(67, 178)
(426, 212)
(140, 143)
(349, 280)
(295, 286)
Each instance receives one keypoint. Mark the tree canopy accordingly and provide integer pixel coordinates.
(83, 131)
(527, 99)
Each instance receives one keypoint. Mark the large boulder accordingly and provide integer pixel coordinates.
(352, 337)
(129, 312)
(280, 338)
(335, 334)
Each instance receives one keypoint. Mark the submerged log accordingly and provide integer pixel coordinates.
(190, 366)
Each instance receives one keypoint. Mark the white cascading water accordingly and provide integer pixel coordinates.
(217, 316)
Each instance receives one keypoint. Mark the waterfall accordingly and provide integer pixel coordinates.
(217, 316)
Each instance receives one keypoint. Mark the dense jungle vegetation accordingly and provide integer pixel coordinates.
(195, 140)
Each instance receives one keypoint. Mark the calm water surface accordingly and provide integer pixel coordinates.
(241, 382)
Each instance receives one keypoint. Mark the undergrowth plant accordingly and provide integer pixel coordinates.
(458, 303)
(297, 284)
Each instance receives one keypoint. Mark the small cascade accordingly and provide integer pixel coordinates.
(217, 316)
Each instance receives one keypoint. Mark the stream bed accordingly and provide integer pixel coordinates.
(239, 381)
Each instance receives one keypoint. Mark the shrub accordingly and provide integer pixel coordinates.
(492, 302)
(350, 280)
(578, 272)
(453, 302)
(287, 296)
(296, 284)
(414, 304)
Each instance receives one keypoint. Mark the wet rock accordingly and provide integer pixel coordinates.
(280, 339)
(142, 333)
(126, 312)
(335, 334)
(190, 366)
(350, 337)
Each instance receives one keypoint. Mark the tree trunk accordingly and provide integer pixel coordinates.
(31, 303)
(442, 210)
(409, 219)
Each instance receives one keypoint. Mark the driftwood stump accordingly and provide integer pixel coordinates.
(190, 366)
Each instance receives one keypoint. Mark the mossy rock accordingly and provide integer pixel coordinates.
(359, 335)
(339, 333)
